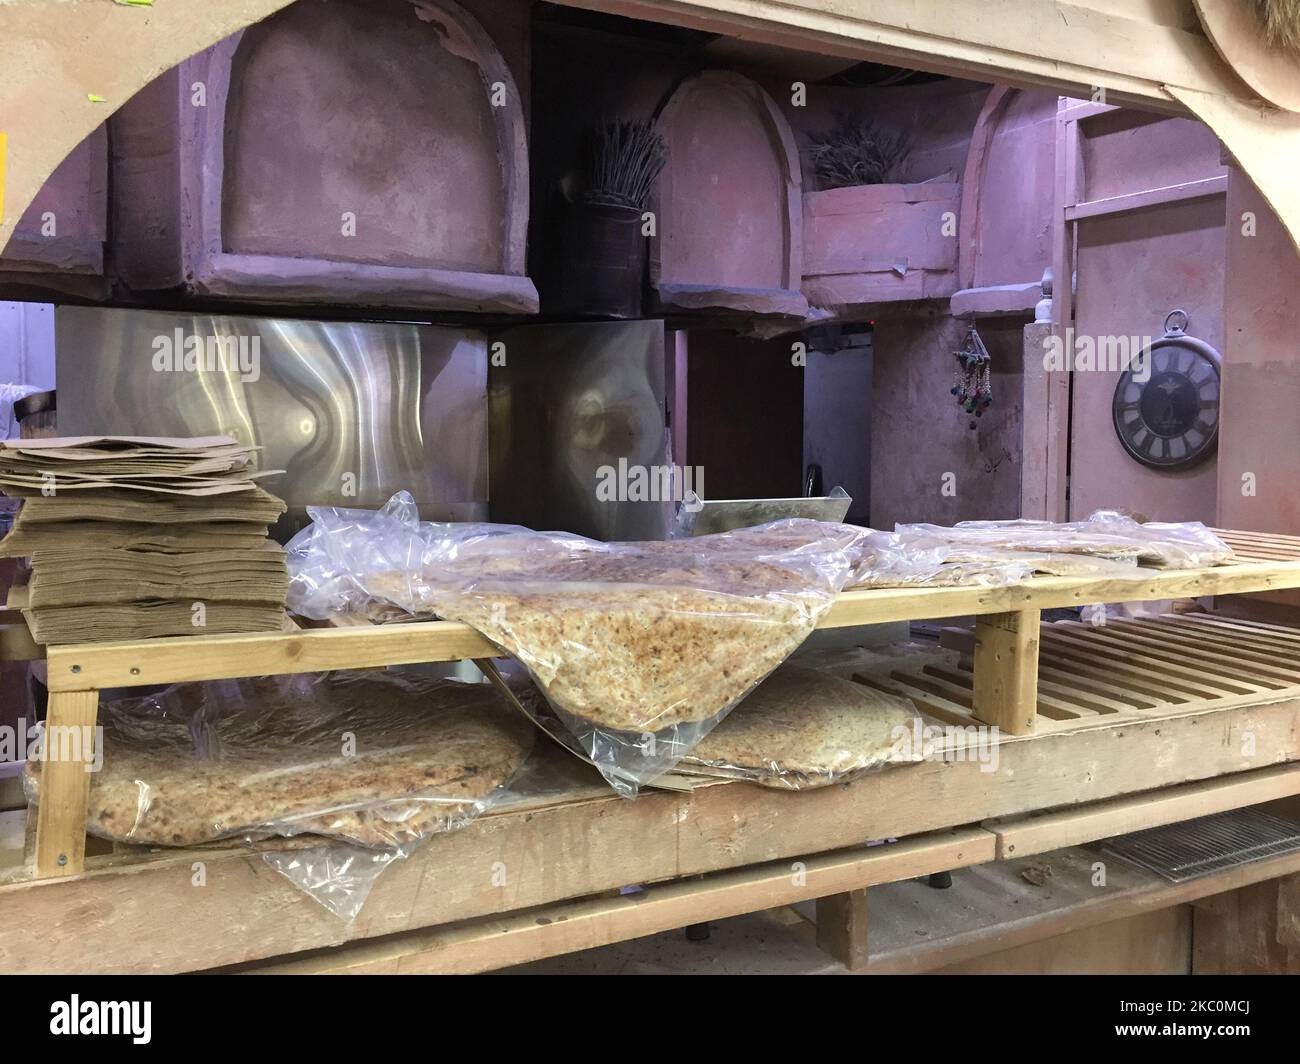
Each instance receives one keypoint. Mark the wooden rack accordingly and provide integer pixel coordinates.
(1054, 681)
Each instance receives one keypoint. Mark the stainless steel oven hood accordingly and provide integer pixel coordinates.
(352, 411)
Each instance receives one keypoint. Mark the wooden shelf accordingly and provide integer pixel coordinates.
(1123, 671)
(1085, 715)
(1266, 563)
(574, 839)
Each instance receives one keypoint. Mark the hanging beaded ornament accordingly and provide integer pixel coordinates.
(972, 381)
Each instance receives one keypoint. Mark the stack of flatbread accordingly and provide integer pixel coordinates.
(802, 728)
(141, 537)
(1105, 535)
(373, 758)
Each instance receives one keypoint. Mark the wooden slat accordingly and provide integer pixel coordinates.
(1266, 661)
(1278, 539)
(1279, 647)
(1158, 643)
(1068, 47)
(1133, 668)
(1247, 632)
(938, 708)
(1132, 201)
(1244, 648)
(1073, 696)
(1065, 661)
(216, 657)
(1095, 686)
(955, 693)
(1133, 653)
(1283, 631)
(1049, 705)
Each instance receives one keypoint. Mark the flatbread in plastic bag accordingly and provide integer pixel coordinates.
(803, 728)
(373, 758)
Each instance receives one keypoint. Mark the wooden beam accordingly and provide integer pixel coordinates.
(1006, 670)
(1067, 189)
(482, 945)
(1151, 197)
(842, 926)
(1119, 816)
(68, 749)
(1071, 47)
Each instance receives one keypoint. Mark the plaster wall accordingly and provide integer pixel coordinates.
(919, 434)
(1129, 151)
(1133, 269)
(26, 348)
(1259, 441)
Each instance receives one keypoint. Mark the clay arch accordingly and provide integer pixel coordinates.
(56, 91)
(1006, 189)
(729, 202)
(248, 227)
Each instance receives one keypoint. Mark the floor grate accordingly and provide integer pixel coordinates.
(1180, 852)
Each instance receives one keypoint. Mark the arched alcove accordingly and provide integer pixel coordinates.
(363, 151)
(729, 202)
(1007, 189)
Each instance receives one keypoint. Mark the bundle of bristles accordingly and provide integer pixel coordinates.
(624, 161)
(1281, 22)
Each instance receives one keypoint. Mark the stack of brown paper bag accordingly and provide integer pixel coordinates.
(138, 537)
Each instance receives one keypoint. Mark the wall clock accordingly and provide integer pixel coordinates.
(1166, 404)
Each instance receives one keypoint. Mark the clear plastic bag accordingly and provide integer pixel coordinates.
(1107, 534)
(336, 562)
(374, 759)
(337, 875)
(802, 728)
(904, 559)
(640, 648)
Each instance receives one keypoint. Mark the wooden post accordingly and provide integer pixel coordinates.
(68, 749)
(1006, 670)
(842, 927)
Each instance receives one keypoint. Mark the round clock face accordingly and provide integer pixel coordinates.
(1171, 420)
